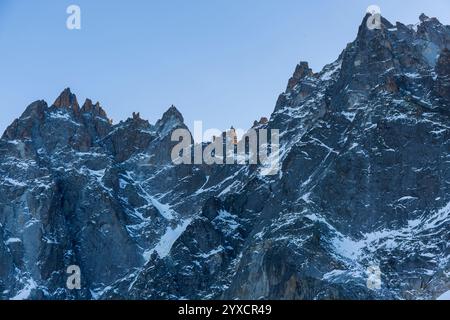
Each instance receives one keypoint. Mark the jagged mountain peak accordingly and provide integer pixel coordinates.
(433, 25)
(170, 120)
(302, 70)
(423, 18)
(95, 109)
(35, 109)
(364, 33)
(363, 184)
(88, 104)
(262, 121)
(136, 116)
(136, 122)
(173, 112)
(67, 100)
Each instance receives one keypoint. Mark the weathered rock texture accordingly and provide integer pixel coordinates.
(364, 183)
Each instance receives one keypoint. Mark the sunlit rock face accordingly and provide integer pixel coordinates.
(363, 191)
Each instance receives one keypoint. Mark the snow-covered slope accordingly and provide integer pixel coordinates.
(359, 210)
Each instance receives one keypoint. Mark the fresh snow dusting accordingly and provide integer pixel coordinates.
(229, 188)
(97, 174)
(167, 240)
(414, 27)
(336, 67)
(61, 115)
(430, 222)
(388, 239)
(12, 240)
(395, 233)
(348, 248)
(306, 197)
(168, 127)
(349, 115)
(414, 75)
(229, 218)
(439, 132)
(26, 291)
(122, 184)
(14, 182)
(229, 221)
(89, 154)
(399, 116)
(333, 274)
(201, 190)
(407, 198)
(211, 253)
(97, 293)
(164, 209)
(31, 223)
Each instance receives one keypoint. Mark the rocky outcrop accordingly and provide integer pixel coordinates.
(442, 86)
(67, 100)
(301, 71)
(363, 186)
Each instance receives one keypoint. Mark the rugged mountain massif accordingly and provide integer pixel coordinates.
(364, 185)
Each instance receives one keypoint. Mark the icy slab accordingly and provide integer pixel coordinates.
(167, 240)
(26, 291)
(445, 296)
(12, 241)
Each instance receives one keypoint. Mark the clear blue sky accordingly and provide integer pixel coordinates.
(220, 61)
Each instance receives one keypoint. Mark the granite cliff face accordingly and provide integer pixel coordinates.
(364, 184)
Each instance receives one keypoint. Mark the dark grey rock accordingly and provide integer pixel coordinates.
(364, 183)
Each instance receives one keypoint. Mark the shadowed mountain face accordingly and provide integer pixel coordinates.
(364, 185)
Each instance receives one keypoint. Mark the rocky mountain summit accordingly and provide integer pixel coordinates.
(364, 185)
